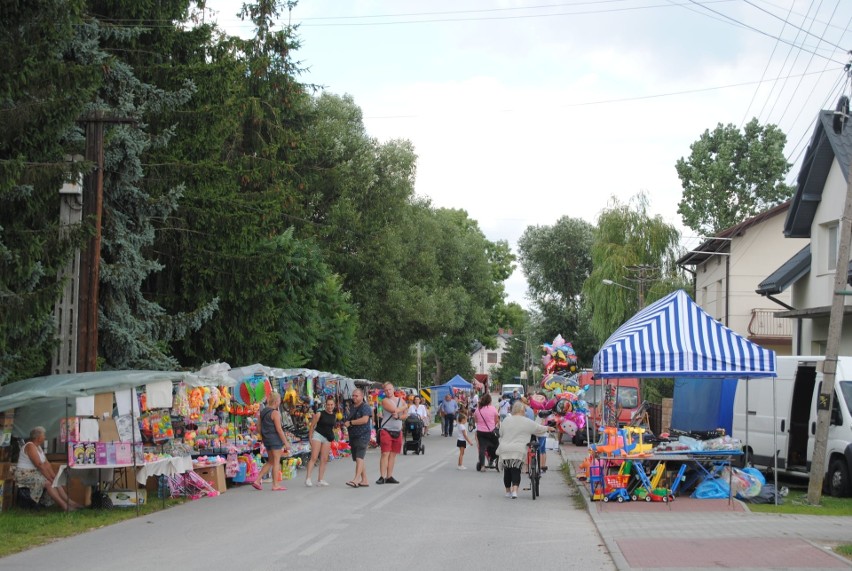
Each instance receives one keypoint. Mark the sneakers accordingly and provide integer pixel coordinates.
(514, 495)
(322, 483)
(508, 495)
(391, 480)
(380, 481)
(308, 483)
(462, 467)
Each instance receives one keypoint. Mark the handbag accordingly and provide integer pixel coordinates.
(495, 432)
(393, 433)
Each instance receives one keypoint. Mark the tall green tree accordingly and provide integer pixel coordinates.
(135, 331)
(44, 89)
(240, 150)
(732, 175)
(637, 251)
(557, 261)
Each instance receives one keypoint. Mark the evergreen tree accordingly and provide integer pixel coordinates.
(44, 87)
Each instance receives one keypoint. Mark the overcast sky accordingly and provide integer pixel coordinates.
(522, 112)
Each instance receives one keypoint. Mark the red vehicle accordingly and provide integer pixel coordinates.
(629, 394)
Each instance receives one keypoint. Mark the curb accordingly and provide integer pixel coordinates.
(614, 552)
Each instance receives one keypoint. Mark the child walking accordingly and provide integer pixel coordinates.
(462, 438)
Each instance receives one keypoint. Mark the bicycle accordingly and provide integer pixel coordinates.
(534, 465)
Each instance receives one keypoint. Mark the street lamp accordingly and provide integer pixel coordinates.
(611, 283)
(638, 291)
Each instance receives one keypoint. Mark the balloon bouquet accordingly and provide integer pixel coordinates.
(562, 393)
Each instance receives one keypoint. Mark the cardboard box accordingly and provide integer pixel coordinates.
(77, 490)
(125, 479)
(103, 405)
(127, 498)
(107, 429)
(213, 475)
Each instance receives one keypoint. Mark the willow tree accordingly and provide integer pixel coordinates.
(638, 252)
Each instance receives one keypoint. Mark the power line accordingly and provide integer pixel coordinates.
(765, 69)
(622, 99)
(813, 88)
(759, 31)
(799, 84)
(821, 39)
(792, 66)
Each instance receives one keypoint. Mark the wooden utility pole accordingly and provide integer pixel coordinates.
(90, 259)
(835, 328)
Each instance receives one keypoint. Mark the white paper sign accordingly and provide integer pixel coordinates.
(159, 395)
(124, 399)
(89, 431)
(86, 406)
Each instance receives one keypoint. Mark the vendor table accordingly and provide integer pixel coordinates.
(700, 459)
(165, 466)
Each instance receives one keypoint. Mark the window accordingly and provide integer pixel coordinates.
(831, 246)
(493, 358)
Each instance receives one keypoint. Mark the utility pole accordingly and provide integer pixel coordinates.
(829, 366)
(65, 311)
(90, 259)
(419, 370)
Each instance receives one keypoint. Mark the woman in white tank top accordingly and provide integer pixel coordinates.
(34, 472)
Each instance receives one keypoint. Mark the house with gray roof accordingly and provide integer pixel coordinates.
(729, 266)
(814, 214)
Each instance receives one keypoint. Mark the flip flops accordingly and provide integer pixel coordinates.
(363, 485)
(257, 485)
(282, 489)
(352, 484)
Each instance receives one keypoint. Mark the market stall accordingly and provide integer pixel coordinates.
(675, 338)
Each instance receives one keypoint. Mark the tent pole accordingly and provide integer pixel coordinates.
(133, 425)
(775, 441)
(745, 462)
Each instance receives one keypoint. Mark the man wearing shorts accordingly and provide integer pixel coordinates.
(358, 427)
(394, 411)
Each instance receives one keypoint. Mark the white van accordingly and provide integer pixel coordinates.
(796, 390)
(507, 390)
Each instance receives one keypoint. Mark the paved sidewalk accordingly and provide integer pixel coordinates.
(702, 534)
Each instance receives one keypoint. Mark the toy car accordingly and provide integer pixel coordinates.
(619, 494)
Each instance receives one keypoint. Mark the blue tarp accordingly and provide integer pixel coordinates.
(702, 406)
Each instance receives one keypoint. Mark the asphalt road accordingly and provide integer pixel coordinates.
(438, 517)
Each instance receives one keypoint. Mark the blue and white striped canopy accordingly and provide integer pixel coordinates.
(674, 337)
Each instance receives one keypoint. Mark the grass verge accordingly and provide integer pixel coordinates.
(22, 529)
(796, 503)
(576, 496)
(844, 550)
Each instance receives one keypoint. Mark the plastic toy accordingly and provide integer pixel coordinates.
(619, 494)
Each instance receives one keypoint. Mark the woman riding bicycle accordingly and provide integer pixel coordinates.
(515, 432)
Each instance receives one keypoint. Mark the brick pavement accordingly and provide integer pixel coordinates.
(702, 534)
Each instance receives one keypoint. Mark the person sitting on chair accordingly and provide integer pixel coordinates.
(35, 473)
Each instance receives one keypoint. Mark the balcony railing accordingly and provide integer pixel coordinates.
(764, 324)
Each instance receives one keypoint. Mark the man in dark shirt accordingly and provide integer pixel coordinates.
(358, 427)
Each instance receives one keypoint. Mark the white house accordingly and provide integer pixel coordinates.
(814, 215)
(484, 360)
(728, 269)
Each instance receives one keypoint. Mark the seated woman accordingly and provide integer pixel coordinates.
(34, 472)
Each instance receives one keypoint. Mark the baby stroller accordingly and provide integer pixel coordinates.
(413, 431)
(491, 459)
